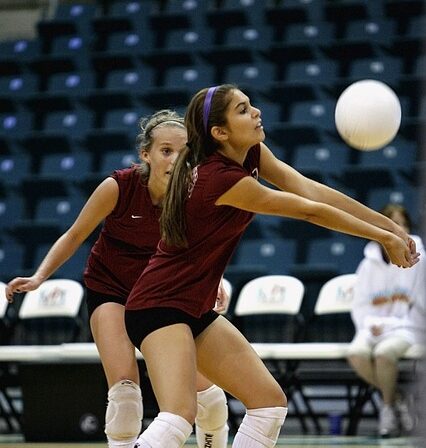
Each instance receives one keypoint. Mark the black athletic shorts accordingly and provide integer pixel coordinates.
(140, 323)
(94, 299)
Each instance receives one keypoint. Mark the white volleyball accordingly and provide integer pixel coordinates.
(368, 115)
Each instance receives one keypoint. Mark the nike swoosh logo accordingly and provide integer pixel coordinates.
(136, 216)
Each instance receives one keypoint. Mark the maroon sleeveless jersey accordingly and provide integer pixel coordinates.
(188, 278)
(128, 239)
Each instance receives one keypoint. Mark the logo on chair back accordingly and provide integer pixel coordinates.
(53, 298)
(277, 294)
(345, 294)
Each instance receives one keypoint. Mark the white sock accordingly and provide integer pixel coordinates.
(166, 431)
(260, 428)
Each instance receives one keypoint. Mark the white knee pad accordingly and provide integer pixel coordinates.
(212, 409)
(167, 430)
(212, 417)
(262, 426)
(123, 419)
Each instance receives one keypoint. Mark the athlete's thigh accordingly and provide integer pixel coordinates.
(226, 357)
(116, 351)
(169, 353)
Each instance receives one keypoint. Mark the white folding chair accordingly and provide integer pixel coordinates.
(336, 295)
(270, 294)
(50, 314)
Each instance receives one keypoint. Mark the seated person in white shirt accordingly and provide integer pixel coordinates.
(388, 313)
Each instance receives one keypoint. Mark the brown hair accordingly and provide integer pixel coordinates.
(145, 139)
(200, 145)
(389, 209)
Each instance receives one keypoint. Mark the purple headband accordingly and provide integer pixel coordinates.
(207, 106)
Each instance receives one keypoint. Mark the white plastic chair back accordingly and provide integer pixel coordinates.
(270, 294)
(54, 298)
(3, 302)
(336, 295)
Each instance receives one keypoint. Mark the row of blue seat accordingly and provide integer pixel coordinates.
(194, 74)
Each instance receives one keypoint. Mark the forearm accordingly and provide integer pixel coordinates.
(325, 194)
(334, 218)
(58, 254)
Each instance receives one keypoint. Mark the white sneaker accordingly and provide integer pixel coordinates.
(388, 423)
(404, 415)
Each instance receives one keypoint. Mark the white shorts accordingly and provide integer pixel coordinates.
(392, 347)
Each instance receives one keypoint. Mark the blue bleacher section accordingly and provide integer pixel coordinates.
(71, 98)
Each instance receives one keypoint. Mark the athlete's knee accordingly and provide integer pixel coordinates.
(275, 397)
(124, 413)
(212, 409)
(263, 425)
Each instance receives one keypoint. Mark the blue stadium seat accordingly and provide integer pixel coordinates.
(252, 37)
(66, 165)
(315, 113)
(74, 123)
(189, 7)
(188, 40)
(14, 168)
(192, 77)
(79, 13)
(60, 210)
(72, 82)
(249, 74)
(309, 33)
(317, 70)
(341, 254)
(18, 51)
(380, 68)
(130, 80)
(130, 7)
(371, 29)
(12, 209)
(399, 154)
(18, 85)
(129, 42)
(75, 47)
(325, 158)
(125, 119)
(15, 124)
(276, 255)
(114, 160)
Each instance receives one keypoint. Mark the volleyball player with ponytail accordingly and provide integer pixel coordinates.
(211, 198)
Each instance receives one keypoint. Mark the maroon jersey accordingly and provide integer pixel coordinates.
(189, 278)
(129, 237)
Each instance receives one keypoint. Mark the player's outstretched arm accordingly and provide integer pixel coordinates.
(98, 206)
